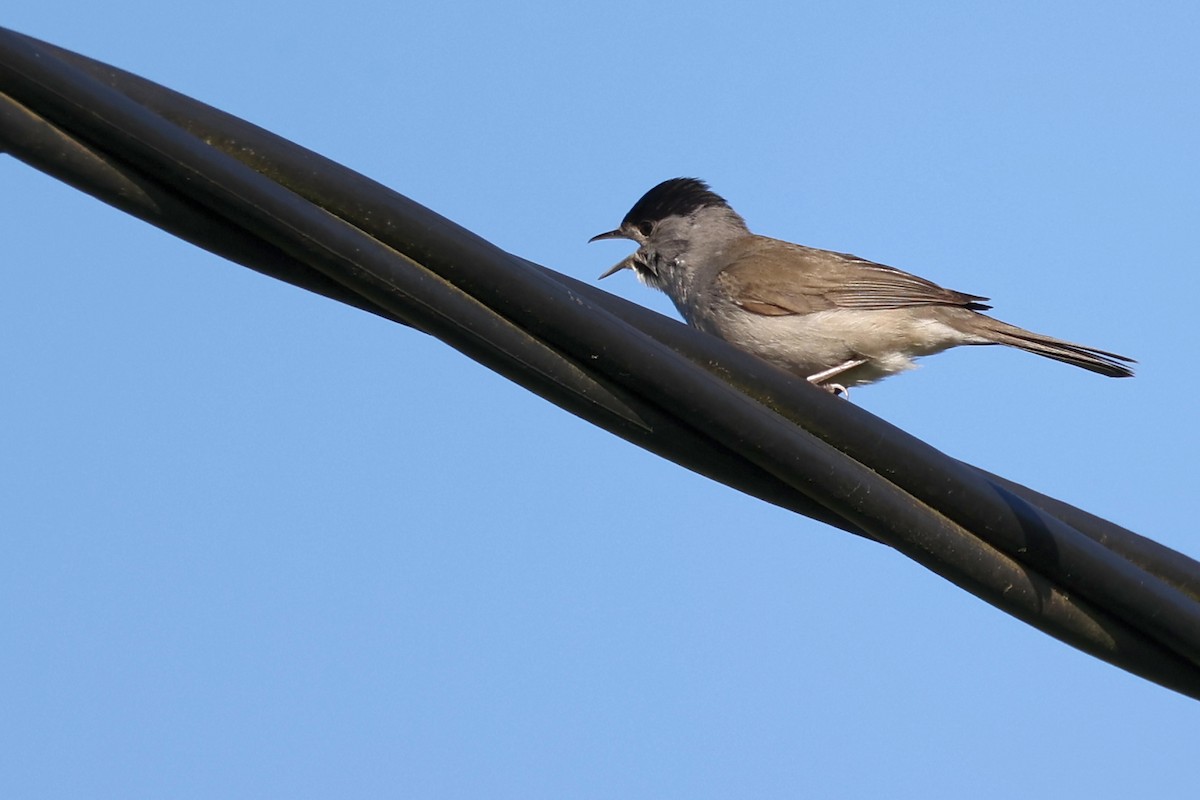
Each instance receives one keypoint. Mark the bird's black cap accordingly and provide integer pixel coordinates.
(676, 197)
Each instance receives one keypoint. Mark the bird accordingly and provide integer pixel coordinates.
(833, 318)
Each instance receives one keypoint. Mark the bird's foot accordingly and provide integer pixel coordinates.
(837, 389)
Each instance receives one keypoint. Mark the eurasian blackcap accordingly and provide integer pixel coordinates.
(819, 314)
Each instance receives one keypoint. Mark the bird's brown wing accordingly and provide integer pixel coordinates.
(777, 278)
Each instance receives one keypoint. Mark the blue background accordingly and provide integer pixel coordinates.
(256, 544)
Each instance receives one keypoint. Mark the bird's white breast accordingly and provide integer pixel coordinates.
(810, 343)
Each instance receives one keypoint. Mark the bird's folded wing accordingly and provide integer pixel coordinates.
(777, 278)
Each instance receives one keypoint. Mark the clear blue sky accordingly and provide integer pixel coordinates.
(256, 544)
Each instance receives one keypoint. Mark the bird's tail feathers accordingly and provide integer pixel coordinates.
(1090, 358)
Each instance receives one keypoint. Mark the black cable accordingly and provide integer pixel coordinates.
(262, 201)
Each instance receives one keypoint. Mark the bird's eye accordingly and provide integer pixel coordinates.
(645, 227)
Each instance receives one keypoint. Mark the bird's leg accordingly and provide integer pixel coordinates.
(819, 378)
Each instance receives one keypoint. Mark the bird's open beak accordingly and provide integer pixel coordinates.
(625, 264)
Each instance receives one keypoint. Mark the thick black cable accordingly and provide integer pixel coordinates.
(835, 492)
(544, 308)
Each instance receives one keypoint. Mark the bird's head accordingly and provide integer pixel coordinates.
(667, 222)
